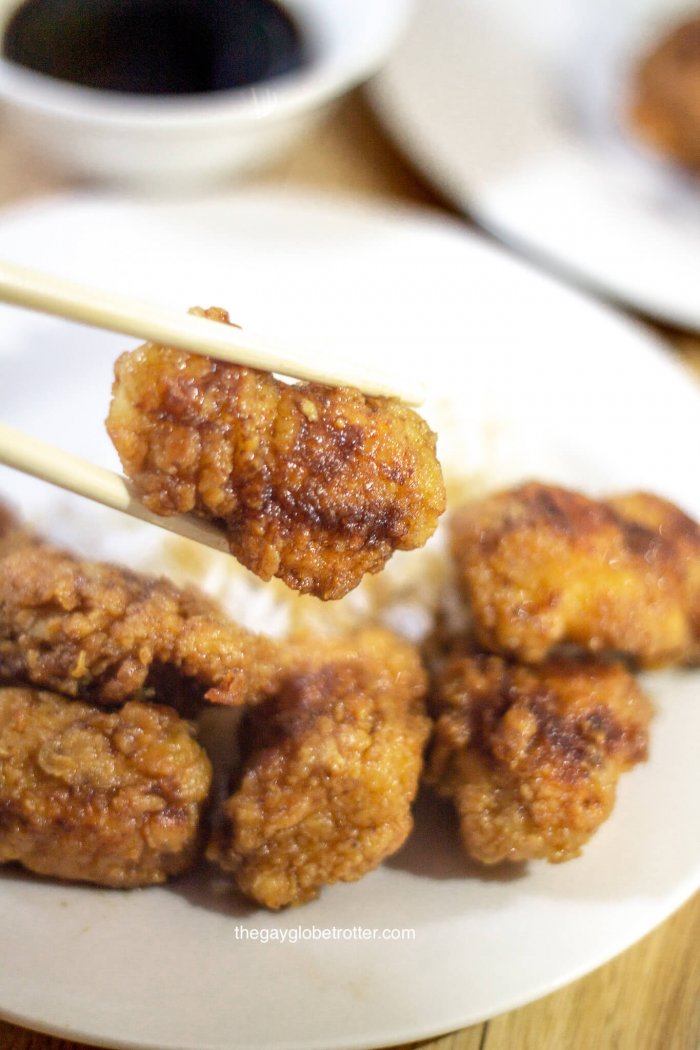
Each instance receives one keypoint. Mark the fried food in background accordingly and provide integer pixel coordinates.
(313, 484)
(331, 765)
(98, 631)
(541, 566)
(531, 756)
(112, 798)
(665, 109)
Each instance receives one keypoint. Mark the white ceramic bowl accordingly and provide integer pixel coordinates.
(175, 141)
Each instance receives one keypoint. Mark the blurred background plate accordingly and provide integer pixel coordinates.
(517, 112)
(168, 967)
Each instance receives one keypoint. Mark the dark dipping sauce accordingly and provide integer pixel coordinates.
(156, 47)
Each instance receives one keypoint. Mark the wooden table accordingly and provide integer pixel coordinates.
(649, 997)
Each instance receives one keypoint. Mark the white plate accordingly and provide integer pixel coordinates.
(517, 111)
(528, 378)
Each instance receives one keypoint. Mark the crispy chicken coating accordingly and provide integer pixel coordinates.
(532, 756)
(101, 632)
(665, 107)
(14, 533)
(542, 566)
(113, 798)
(313, 484)
(331, 766)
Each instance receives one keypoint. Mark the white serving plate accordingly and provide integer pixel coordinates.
(527, 378)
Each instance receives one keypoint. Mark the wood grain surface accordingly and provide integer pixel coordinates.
(649, 997)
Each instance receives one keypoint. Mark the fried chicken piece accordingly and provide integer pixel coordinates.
(313, 484)
(665, 108)
(101, 632)
(542, 566)
(14, 533)
(331, 766)
(532, 756)
(113, 798)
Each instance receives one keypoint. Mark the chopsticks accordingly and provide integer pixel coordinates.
(32, 456)
(54, 295)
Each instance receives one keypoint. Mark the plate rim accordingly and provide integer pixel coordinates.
(409, 135)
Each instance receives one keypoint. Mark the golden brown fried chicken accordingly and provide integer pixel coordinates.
(98, 631)
(313, 484)
(14, 533)
(541, 566)
(532, 756)
(666, 95)
(113, 798)
(331, 766)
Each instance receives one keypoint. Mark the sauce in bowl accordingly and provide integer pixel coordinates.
(156, 47)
